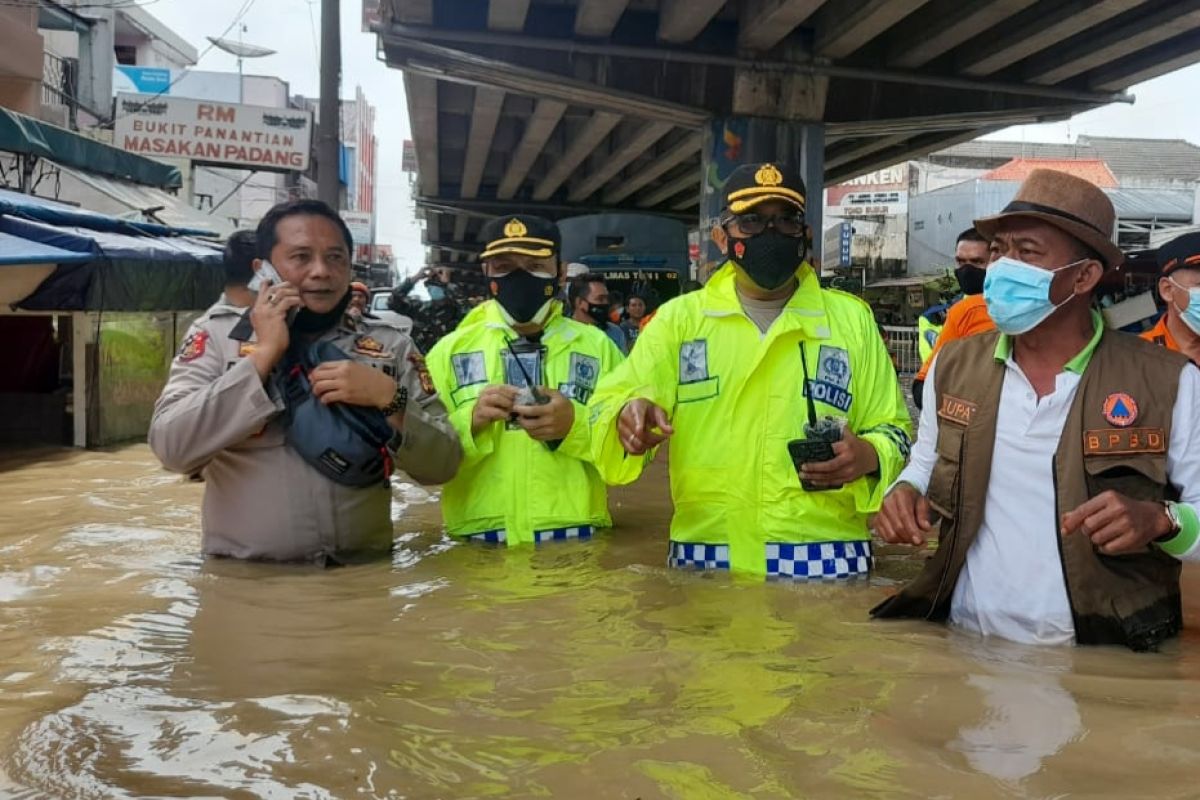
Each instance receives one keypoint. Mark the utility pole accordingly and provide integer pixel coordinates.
(328, 145)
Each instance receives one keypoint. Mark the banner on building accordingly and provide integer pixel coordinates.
(408, 161)
(222, 134)
(359, 223)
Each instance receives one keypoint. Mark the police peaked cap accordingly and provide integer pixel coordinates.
(1180, 252)
(751, 184)
(523, 234)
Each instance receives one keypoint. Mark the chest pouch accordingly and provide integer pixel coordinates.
(345, 443)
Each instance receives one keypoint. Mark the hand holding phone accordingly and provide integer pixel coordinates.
(265, 272)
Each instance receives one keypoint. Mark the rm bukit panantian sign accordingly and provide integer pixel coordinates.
(206, 132)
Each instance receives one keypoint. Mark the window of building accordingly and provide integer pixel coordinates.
(126, 54)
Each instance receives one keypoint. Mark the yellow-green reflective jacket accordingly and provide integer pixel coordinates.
(735, 398)
(927, 334)
(508, 480)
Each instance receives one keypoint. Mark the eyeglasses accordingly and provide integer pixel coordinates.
(753, 224)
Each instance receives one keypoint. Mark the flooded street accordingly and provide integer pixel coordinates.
(129, 667)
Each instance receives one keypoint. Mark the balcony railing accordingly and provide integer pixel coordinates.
(60, 85)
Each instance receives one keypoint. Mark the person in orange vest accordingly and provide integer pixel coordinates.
(1178, 328)
(969, 315)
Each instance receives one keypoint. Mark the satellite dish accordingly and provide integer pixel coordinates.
(239, 49)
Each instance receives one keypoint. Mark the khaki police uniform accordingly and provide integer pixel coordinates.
(216, 417)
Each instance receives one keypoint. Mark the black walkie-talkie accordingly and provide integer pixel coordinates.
(539, 399)
(820, 434)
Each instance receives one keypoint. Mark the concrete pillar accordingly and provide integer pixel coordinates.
(735, 140)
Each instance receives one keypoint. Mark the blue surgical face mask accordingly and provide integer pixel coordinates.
(1018, 294)
(1191, 314)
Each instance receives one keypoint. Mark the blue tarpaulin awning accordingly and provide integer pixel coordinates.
(43, 209)
(18, 250)
(107, 263)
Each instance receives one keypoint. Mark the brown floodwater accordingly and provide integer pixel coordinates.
(129, 667)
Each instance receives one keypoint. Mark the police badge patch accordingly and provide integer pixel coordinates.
(693, 361)
(370, 347)
(193, 347)
(832, 383)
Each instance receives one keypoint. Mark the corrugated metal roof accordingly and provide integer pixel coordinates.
(1147, 159)
(1092, 170)
(1130, 160)
(1166, 205)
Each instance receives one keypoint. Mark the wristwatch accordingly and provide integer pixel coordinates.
(399, 402)
(1173, 515)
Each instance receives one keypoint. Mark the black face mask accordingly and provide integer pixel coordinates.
(521, 293)
(311, 322)
(970, 279)
(598, 313)
(770, 258)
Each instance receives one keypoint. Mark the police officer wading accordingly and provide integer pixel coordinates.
(516, 375)
(763, 480)
(294, 411)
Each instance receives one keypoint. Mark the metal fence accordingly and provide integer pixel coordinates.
(60, 85)
(902, 345)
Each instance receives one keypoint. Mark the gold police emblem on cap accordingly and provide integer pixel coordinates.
(515, 229)
(768, 175)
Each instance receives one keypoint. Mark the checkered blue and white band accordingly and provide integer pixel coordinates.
(554, 534)
(823, 560)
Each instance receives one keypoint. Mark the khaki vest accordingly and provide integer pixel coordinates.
(1131, 599)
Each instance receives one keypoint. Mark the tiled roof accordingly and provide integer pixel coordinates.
(1090, 169)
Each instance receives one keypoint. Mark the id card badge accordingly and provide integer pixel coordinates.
(532, 361)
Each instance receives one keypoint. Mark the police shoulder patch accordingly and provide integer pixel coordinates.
(193, 346)
(418, 362)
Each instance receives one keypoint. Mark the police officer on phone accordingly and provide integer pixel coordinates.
(294, 411)
(779, 399)
(516, 376)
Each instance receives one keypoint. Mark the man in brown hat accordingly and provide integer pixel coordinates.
(1058, 464)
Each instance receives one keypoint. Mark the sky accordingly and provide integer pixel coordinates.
(292, 27)
(1166, 107)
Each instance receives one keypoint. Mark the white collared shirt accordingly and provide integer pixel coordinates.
(1012, 584)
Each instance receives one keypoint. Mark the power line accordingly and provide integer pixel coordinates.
(246, 6)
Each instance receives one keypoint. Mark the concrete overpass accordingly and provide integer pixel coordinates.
(574, 106)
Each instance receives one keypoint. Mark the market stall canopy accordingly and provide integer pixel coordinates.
(143, 203)
(110, 264)
(29, 136)
(17, 250)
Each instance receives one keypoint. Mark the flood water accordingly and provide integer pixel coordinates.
(129, 667)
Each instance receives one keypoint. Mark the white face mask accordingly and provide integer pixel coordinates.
(1191, 314)
(1017, 294)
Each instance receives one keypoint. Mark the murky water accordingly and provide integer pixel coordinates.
(131, 668)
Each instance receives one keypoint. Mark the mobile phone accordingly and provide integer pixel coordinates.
(266, 272)
(810, 451)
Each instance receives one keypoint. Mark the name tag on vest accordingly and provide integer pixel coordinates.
(955, 410)
(1124, 441)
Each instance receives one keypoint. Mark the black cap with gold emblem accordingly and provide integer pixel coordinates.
(751, 184)
(523, 234)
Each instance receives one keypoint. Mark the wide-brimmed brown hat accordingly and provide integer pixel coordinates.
(1071, 204)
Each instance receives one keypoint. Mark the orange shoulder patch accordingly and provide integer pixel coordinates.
(418, 362)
